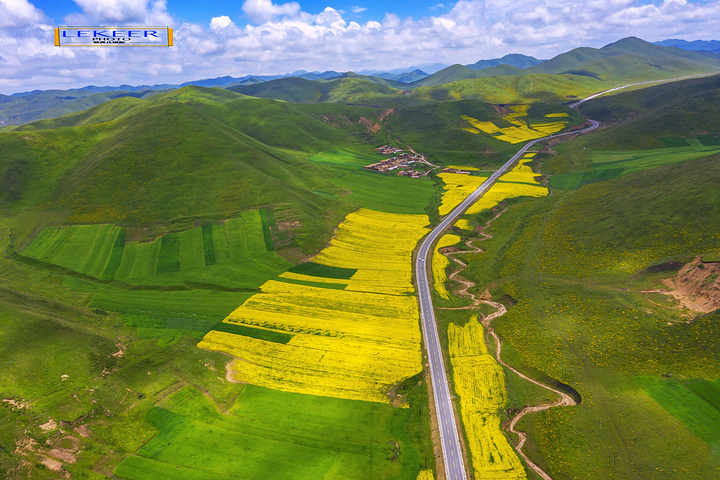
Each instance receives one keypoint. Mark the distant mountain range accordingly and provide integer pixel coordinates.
(627, 60)
(694, 46)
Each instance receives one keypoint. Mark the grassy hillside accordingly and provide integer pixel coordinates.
(625, 61)
(657, 114)
(630, 59)
(133, 229)
(55, 103)
(177, 158)
(345, 90)
(572, 268)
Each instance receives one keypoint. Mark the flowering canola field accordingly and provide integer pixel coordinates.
(520, 131)
(440, 263)
(352, 343)
(480, 384)
(519, 182)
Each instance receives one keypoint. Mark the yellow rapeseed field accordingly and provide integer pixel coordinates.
(353, 343)
(521, 173)
(520, 131)
(311, 278)
(464, 224)
(440, 263)
(480, 384)
(425, 475)
(458, 186)
(463, 167)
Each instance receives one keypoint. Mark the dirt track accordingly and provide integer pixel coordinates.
(500, 310)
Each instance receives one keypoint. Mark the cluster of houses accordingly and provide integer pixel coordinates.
(399, 162)
(388, 150)
(455, 170)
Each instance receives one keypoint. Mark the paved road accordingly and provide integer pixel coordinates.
(449, 436)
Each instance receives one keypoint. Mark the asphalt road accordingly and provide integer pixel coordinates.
(449, 435)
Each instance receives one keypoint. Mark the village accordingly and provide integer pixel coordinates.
(411, 165)
(404, 163)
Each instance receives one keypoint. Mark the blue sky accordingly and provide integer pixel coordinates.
(239, 37)
(203, 11)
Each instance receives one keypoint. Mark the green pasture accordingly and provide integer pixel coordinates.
(293, 436)
(367, 189)
(231, 254)
(570, 267)
(605, 165)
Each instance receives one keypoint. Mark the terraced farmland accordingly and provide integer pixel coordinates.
(233, 253)
(352, 343)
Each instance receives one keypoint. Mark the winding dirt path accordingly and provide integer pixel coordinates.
(500, 310)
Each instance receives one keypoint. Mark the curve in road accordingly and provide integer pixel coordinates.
(449, 435)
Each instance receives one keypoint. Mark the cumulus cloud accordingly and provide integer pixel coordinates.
(218, 23)
(261, 11)
(17, 13)
(284, 38)
(143, 12)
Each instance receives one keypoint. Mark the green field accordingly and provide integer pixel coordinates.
(232, 254)
(376, 191)
(575, 262)
(696, 404)
(606, 165)
(293, 436)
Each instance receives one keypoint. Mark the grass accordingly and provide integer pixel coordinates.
(233, 254)
(699, 413)
(574, 262)
(605, 165)
(169, 256)
(294, 436)
(259, 333)
(208, 245)
(382, 192)
(325, 271)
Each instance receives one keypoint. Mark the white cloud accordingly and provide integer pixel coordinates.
(358, 9)
(16, 13)
(218, 23)
(286, 39)
(261, 11)
(145, 12)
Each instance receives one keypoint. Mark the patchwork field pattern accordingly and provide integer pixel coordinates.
(353, 343)
(519, 182)
(480, 384)
(521, 130)
(440, 263)
(232, 254)
(272, 434)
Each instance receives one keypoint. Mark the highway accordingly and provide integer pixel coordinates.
(449, 434)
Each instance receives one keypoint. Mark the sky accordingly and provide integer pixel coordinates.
(240, 37)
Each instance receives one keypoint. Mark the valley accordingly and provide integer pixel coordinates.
(204, 282)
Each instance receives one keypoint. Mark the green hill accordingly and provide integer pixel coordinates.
(446, 75)
(579, 272)
(344, 90)
(652, 116)
(54, 103)
(513, 89)
(513, 59)
(630, 59)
